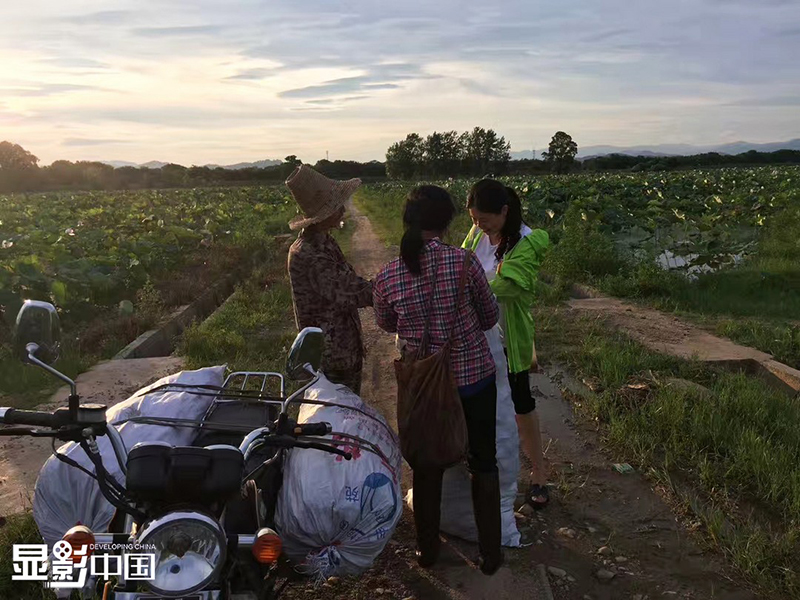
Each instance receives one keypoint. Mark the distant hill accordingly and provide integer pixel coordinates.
(154, 164)
(259, 164)
(686, 149)
(157, 164)
(119, 163)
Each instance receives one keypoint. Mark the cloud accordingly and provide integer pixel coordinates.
(252, 74)
(380, 86)
(46, 89)
(480, 88)
(75, 62)
(329, 88)
(767, 102)
(178, 117)
(181, 31)
(103, 17)
(606, 35)
(92, 142)
(379, 77)
(303, 77)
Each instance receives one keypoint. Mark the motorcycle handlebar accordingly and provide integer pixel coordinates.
(320, 429)
(34, 418)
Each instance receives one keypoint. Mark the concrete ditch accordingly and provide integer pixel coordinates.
(161, 341)
(669, 335)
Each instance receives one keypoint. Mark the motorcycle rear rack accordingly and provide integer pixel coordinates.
(247, 376)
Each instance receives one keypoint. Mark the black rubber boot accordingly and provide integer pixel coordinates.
(486, 501)
(427, 500)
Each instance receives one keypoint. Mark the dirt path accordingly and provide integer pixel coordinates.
(106, 383)
(668, 334)
(651, 556)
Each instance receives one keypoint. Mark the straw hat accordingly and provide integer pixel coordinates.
(318, 196)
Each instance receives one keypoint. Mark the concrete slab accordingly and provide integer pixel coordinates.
(670, 335)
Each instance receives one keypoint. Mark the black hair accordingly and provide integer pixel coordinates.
(428, 208)
(490, 196)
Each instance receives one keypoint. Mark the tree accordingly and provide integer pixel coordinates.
(443, 153)
(561, 152)
(14, 157)
(293, 160)
(18, 167)
(405, 159)
(485, 152)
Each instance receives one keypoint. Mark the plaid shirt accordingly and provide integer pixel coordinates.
(401, 300)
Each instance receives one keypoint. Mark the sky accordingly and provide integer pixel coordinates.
(223, 81)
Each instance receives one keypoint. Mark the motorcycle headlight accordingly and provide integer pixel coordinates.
(189, 550)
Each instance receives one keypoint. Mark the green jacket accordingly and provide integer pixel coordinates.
(515, 288)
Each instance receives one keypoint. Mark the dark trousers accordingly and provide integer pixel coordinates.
(480, 411)
(351, 378)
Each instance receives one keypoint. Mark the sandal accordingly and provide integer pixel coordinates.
(538, 491)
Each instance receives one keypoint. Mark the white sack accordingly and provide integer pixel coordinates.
(65, 496)
(335, 516)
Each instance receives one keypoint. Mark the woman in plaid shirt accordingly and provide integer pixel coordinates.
(401, 294)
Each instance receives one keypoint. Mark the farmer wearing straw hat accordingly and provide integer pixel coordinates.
(326, 292)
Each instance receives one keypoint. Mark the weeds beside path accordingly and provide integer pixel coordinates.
(724, 444)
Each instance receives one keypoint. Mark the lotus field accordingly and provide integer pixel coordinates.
(112, 262)
(721, 245)
(710, 218)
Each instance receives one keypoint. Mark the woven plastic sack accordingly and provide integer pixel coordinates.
(335, 516)
(65, 496)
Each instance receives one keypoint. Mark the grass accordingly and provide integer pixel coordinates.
(252, 330)
(731, 451)
(385, 211)
(18, 529)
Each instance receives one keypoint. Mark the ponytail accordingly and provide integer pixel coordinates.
(510, 233)
(428, 208)
(412, 243)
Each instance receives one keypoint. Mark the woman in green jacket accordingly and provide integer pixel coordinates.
(511, 254)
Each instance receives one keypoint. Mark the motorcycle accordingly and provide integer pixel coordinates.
(207, 511)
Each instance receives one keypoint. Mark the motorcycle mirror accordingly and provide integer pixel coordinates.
(37, 332)
(305, 356)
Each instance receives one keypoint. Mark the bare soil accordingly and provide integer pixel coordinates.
(651, 554)
(665, 333)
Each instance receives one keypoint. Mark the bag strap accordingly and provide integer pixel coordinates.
(462, 285)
